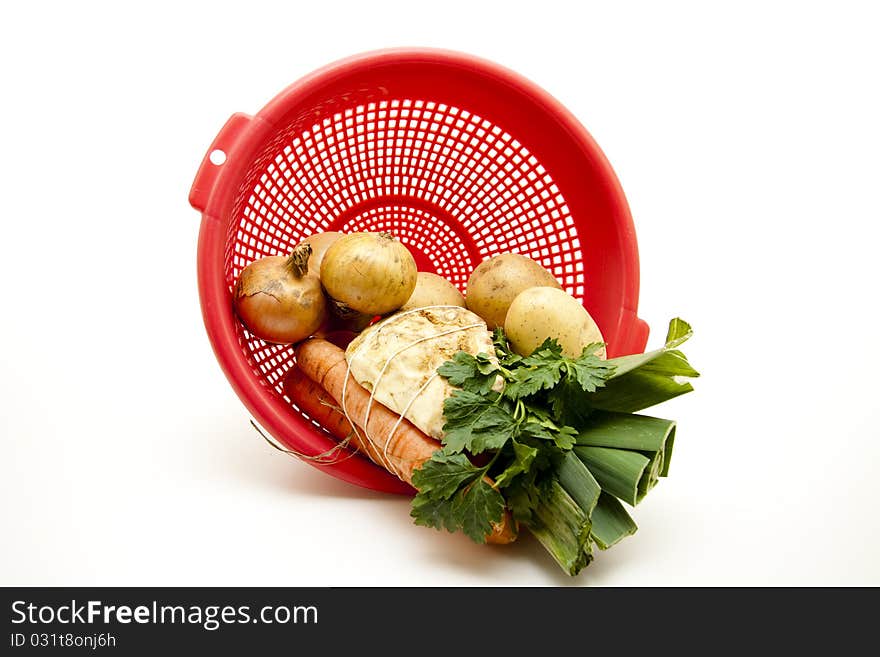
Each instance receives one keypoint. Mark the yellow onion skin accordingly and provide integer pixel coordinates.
(319, 242)
(369, 273)
(278, 300)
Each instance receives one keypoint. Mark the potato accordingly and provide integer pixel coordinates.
(539, 313)
(433, 290)
(496, 282)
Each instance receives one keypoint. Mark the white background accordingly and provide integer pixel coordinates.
(747, 143)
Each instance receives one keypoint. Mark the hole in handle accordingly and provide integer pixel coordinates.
(211, 169)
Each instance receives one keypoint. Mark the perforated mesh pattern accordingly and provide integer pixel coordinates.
(451, 185)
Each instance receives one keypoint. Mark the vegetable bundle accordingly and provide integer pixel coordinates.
(565, 447)
(527, 426)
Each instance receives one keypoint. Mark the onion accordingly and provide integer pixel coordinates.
(370, 273)
(278, 300)
(352, 322)
(319, 242)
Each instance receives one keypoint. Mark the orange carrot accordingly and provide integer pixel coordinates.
(317, 403)
(405, 450)
(402, 451)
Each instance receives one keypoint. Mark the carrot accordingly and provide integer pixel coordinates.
(317, 403)
(324, 363)
(401, 450)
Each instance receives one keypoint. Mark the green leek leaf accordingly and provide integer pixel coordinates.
(625, 474)
(611, 522)
(562, 527)
(634, 432)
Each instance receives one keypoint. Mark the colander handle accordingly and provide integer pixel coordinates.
(217, 156)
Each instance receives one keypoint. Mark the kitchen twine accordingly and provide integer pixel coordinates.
(330, 457)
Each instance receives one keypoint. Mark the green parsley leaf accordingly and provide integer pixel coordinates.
(538, 430)
(547, 367)
(456, 438)
(476, 422)
(473, 373)
(540, 371)
(476, 508)
(459, 369)
(540, 413)
(453, 495)
(444, 473)
(589, 370)
(528, 381)
(460, 409)
(549, 351)
(523, 456)
(435, 512)
(506, 356)
(464, 404)
(569, 402)
(485, 365)
(565, 438)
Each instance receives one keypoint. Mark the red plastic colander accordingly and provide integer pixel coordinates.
(458, 157)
